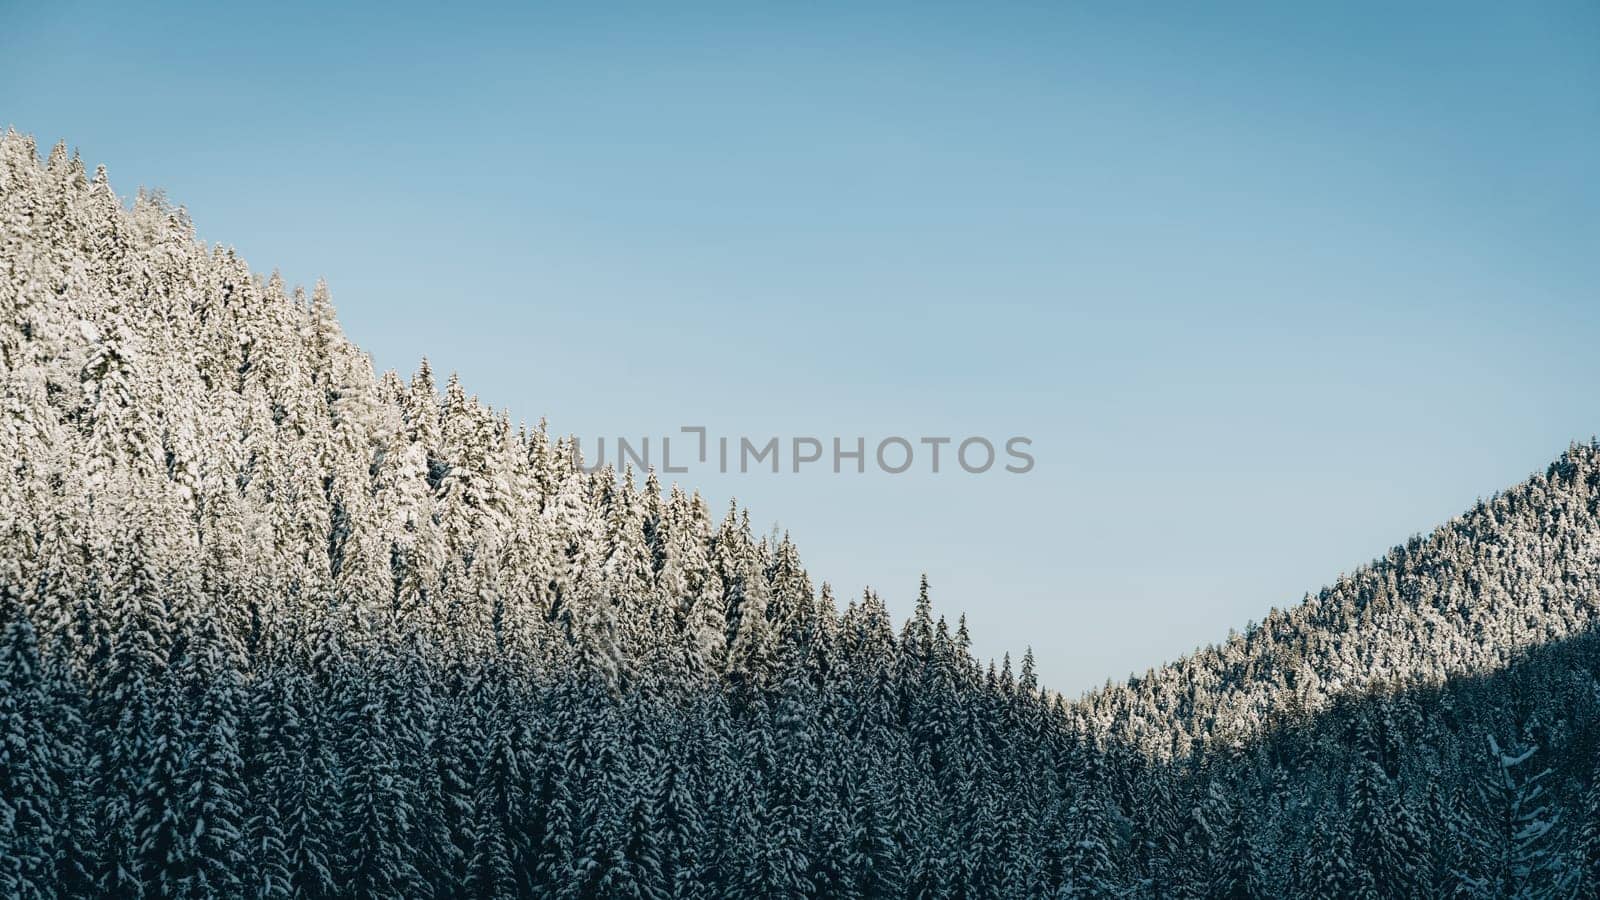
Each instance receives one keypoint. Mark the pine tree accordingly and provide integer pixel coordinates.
(1589, 839)
(872, 857)
(376, 807)
(159, 829)
(681, 829)
(1327, 866)
(1240, 872)
(31, 809)
(208, 798)
(294, 821)
(1520, 861)
(1385, 840)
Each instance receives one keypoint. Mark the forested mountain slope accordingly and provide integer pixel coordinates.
(277, 627)
(1519, 570)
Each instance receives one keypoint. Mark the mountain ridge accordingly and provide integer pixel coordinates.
(275, 625)
(1572, 477)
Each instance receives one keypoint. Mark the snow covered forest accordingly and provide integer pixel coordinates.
(272, 625)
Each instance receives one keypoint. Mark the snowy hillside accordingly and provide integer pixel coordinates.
(276, 626)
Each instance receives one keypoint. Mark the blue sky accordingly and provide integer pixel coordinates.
(1270, 287)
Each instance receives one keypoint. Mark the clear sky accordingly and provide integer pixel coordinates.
(1271, 286)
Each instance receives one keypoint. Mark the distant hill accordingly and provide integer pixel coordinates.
(1517, 571)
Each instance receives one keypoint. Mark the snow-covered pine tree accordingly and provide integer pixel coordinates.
(1521, 861)
(32, 813)
(211, 858)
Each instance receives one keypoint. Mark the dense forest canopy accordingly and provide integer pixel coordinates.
(276, 626)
